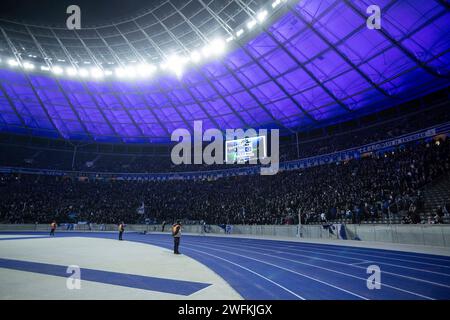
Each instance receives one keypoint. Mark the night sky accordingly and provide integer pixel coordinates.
(53, 12)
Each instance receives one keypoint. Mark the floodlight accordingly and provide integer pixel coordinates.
(276, 3)
(57, 70)
(251, 24)
(96, 73)
(28, 66)
(13, 63)
(83, 73)
(71, 71)
(217, 46)
(262, 15)
(145, 69)
(120, 72)
(195, 56)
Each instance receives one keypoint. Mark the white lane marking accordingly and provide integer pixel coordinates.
(249, 270)
(386, 272)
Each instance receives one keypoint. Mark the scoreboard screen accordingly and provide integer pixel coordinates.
(244, 150)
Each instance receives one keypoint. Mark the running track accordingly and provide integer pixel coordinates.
(270, 269)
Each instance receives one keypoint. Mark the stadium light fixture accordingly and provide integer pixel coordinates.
(57, 70)
(206, 51)
(262, 15)
(13, 63)
(71, 71)
(130, 72)
(45, 68)
(28, 66)
(217, 46)
(120, 72)
(96, 73)
(239, 33)
(251, 24)
(145, 69)
(175, 64)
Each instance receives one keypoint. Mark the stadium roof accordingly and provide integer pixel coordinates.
(311, 63)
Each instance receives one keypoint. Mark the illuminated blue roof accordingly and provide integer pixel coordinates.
(317, 63)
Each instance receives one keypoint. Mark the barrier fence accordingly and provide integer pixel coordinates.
(428, 235)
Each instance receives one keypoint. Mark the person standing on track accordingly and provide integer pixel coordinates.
(176, 234)
(121, 230)
(52, 228)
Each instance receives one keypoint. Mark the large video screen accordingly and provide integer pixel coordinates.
(244, 150)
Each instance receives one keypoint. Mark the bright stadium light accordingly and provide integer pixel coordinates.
(229, 39)
(217, 46)
(120, 72)
(28, 66)
(108, 73)
(96, 73)
(45, 68)
(57, 70)
(83, 73)
(262, 15)
(145, 69)
(175, 64)
(276, 3)
(251, 24)
(71, 71)
(206, 51)
(196, 56)
(130, 72)
(13, 63)
(239, 33)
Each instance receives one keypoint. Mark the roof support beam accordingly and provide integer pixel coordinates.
(209, 82)
(16, 112)
(116, 58)
(242, 46)
(74, 65)
(409, 54)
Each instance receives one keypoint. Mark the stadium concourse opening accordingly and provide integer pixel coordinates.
(225, 150)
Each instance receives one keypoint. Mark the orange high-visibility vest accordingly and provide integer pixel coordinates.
(175, 229)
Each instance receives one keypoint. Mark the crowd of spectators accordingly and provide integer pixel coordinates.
(383, 184)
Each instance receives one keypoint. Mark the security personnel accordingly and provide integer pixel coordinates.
(176, 234)
(52, 228)
(121, 230)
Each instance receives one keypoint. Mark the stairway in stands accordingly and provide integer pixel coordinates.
(437, 194)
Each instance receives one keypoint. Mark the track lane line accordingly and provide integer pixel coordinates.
(334, 271)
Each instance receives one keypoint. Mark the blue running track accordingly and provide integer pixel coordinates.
(270, 269)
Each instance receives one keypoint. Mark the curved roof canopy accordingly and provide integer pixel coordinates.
(315, 64)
